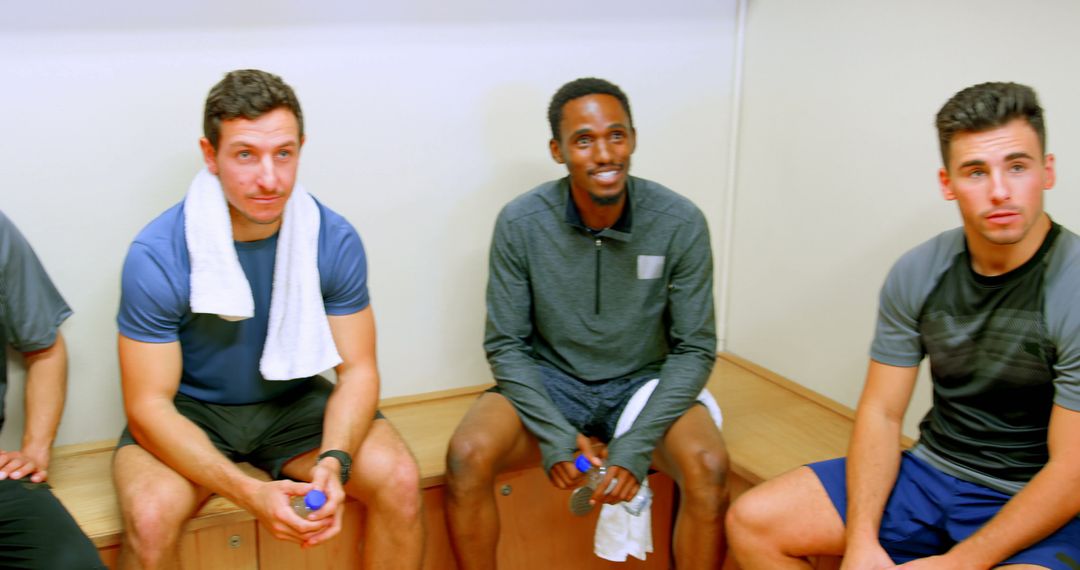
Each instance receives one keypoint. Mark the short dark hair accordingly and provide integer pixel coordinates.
(581, 88)
(987, 106)
(247, 93)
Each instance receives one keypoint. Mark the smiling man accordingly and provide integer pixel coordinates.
(232, 302)
(995, 306)
(599, 282)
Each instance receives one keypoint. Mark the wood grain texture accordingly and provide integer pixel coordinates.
(770, 429)
(233, 546)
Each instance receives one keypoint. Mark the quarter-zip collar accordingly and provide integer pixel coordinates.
(620, 230)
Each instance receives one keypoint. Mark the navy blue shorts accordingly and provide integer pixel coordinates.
(928, 512)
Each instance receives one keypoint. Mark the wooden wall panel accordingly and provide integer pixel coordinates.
(231, 546)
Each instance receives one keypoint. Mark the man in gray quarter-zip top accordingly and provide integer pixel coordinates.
(599, 283)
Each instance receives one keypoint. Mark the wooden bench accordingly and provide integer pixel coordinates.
(771, 425)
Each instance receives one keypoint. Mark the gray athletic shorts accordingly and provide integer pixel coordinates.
(266, 434)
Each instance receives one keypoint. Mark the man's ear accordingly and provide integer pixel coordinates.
(946, 184)
(1050, 173)
(556, 151)
(209, 155)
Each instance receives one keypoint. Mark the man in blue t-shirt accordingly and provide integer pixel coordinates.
(995, 306)
(195, 392)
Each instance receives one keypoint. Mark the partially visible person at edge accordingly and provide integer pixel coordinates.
(36, 532)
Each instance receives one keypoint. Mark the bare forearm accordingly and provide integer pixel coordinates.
(46, 384)
(1044, 505)
(872, 466)
(350, 411)
(183, 446)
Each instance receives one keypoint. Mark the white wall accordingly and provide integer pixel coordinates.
(838, 160)
(422, 122)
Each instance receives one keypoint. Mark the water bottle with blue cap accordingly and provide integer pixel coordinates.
(309, 503)
(594, 476)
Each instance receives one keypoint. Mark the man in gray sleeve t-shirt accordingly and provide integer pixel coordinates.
(599, 282)
(36, 531)
(995, 308)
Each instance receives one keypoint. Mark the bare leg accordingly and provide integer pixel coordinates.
(781, 522)
(692, 452)
(489, 440)
(155, 502)
(386, 479)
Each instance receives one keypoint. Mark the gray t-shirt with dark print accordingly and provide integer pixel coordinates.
(31, 309)
(1003, 350)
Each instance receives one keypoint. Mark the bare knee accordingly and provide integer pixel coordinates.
(152, 528)
(399, 491)
(704, 479)
(470, 461)
(750, 517)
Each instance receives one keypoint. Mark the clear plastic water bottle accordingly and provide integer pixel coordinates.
(309, 503)
(594, 475)
(642, 499)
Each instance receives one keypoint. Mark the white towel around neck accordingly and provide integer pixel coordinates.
(298, 340)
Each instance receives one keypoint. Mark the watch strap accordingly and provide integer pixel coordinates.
(343, 458)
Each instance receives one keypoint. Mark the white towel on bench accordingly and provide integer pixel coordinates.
(298, 341)
(618, 533)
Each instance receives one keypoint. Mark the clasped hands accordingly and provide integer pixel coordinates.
(565, 475)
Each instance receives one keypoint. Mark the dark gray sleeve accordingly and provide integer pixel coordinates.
(909, 283)
(692, 337)
(30, 306)
(507, 343)
(1062, 311)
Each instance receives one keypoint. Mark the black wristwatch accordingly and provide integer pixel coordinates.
(344, 458)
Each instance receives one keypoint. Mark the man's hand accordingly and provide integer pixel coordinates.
(19, 464)
(626, 486)
(326, 477)
(565, 475)
(270, 505)
(866, 557)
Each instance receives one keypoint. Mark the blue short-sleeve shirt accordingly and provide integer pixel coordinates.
(221, 358)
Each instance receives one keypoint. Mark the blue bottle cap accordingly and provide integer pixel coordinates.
(315, 499)
(582, 463)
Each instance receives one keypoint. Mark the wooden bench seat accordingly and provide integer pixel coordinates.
(770, 425)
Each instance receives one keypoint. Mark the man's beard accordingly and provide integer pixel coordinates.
(608, 200)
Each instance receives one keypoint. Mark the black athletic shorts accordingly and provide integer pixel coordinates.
(36, 531)
(266, 434)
